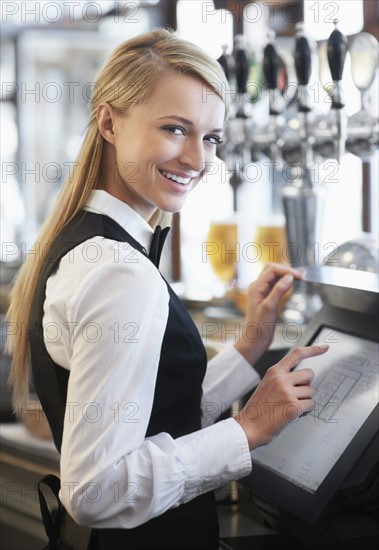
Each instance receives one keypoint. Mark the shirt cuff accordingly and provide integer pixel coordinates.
(229, 376)
(213, 456)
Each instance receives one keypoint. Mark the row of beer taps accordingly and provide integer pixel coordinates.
(296, 135)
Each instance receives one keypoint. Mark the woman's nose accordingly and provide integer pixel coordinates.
(193, 155)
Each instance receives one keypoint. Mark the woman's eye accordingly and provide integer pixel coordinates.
(215, 140)
(176, 130)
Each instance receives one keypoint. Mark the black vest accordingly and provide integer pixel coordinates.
(176, 406)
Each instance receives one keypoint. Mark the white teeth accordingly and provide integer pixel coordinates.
(178, 179)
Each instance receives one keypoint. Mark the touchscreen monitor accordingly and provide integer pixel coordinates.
(304, 466)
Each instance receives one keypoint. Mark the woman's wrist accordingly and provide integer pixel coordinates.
(251, 351)
(251, 436)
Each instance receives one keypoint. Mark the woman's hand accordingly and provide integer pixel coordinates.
(264, 296)
(280, 398)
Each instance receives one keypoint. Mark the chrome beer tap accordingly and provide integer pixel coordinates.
(236, 151)
(303, 67)
(302, 199)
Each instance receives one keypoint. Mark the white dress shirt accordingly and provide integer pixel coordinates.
(105, 316)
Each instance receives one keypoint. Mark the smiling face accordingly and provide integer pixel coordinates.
(156, 154)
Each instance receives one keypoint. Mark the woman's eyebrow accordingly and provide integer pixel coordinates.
(185, 121)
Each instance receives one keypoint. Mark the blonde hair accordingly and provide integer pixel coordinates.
(129, 77)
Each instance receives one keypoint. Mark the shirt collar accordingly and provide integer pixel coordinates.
(101, 202)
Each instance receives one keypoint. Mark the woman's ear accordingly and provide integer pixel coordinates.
(105, 119)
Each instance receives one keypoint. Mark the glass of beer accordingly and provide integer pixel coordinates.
(222, 251)
(271, 241)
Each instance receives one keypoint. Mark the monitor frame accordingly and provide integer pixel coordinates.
(289, 498)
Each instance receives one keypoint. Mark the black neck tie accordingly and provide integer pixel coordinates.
(157, 243)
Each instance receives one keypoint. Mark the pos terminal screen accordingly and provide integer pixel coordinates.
(315, 453)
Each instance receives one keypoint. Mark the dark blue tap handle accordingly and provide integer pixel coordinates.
(271, 66)
(337, 48)
(242, 70)
(303, 60)
(223, 60)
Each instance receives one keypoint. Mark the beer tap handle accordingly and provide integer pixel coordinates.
(336, 52)
(241, 76)
(270, 68)
(270, 71)
(364, 62)
(225, 63)
(303, 67)
(242, 66)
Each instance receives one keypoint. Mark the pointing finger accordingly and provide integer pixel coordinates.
(296, 355)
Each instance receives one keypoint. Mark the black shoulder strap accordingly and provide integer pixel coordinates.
(50, 380)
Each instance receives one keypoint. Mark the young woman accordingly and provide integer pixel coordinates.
(117, 362)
